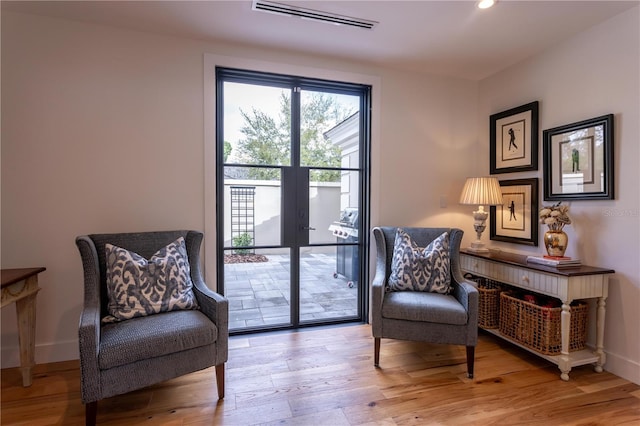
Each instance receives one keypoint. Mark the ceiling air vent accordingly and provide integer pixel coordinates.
(316, 15)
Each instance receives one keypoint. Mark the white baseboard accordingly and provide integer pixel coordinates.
(45, 353)
(623, 367)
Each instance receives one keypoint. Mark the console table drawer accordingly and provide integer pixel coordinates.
(562, 286)
(520, 277)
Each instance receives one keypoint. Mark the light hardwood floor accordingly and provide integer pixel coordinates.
(326, 377)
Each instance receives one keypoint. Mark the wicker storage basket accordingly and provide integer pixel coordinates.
(489, 303)
(538, 327)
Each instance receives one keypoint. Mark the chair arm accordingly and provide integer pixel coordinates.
(468, 296)
(379, 280)
(89, 346)
(377, 297)
(89, 324)
(378, 286)
(212, 304)
(216, 308)
(379, 283)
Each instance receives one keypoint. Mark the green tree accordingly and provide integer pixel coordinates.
(227, 150)
(267, 138)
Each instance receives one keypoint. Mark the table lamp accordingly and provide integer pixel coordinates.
(480, 191)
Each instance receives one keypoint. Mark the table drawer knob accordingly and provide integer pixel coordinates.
(525, 278)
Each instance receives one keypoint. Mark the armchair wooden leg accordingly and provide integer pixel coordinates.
(376, 351)
(220, 380)
(470, 359)
(91, 411)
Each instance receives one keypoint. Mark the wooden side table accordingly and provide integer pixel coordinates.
(21, 286)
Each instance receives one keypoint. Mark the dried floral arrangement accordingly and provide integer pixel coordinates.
(555, 216)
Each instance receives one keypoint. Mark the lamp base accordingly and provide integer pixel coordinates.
(478, 247)
(480, 250)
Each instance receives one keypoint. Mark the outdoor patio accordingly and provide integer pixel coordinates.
(259, 293)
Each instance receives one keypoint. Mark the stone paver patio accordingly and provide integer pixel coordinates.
(259, 293)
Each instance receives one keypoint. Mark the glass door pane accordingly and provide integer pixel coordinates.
(257, 125)
(329, 131)
(330, 266)
(257, 143)
(259, 291)
(334, 209)
(324, 293)
(253, 212)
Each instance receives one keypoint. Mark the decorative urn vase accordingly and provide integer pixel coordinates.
(555, 242)
(555, 217)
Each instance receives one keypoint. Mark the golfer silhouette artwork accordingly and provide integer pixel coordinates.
(512, 139)
(575, 160)
(512, 211)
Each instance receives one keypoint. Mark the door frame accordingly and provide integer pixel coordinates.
(211, 61)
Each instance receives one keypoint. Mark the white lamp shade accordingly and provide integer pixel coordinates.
(481, 191)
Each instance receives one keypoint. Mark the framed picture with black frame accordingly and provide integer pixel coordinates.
(514, 139)
(578, 160)
(516, 220)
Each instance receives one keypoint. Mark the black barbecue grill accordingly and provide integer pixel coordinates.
(346, 231)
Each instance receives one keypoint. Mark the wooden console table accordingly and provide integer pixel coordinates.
(566, 284)
(21, 286)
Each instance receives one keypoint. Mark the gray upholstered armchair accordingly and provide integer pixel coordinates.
(131, 354)
(423, 316)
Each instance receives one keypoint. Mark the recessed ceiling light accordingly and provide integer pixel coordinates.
(485, 4)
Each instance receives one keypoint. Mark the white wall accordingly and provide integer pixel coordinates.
(103, 131)
(592, 74)
(430, 137)
(324, 208)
